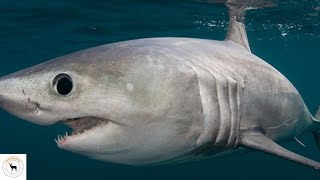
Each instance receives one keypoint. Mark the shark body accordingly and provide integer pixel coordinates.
(154, 100)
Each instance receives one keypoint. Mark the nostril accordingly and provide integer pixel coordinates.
(33, 107)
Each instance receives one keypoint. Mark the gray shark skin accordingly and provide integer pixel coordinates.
(155, 100)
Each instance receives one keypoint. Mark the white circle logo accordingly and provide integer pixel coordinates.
(13, 167)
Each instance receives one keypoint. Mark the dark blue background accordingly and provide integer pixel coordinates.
(34, 31)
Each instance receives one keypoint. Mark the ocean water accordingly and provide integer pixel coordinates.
(286, 35)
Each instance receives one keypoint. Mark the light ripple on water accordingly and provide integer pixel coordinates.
(296, 19)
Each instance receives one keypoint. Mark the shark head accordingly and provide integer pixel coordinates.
(123, 101)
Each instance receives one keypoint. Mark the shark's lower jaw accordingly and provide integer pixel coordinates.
(80, 127)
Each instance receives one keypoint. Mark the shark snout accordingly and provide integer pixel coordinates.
(22, 107)
(19, 97)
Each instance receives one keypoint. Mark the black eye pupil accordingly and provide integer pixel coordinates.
(64, 84)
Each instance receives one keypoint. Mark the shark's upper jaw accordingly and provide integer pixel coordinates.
(80, 127)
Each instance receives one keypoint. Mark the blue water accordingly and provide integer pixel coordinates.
(286, 35)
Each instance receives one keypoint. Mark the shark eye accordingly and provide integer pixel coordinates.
(63, 84)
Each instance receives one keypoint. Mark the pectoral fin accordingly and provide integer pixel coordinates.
(260, 142)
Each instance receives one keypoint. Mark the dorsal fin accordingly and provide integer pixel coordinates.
(237, 30)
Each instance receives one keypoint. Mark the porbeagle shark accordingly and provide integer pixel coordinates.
(162, 100)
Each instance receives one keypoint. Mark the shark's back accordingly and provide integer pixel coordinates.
(266, 98)
(263, 96)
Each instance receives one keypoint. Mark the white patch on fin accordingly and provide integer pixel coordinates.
(237, 30)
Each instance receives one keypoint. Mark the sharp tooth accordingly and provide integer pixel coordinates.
(56, 141)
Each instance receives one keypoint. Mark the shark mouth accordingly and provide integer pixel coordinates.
(80, 126)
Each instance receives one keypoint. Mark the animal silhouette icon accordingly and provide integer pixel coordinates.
(13, 167)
